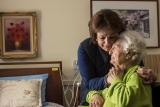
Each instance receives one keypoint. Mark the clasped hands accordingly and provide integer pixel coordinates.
(114, 73)
(97, 100)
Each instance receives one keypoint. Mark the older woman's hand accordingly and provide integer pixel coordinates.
(96, 101)
(147, 74)
(113, 74)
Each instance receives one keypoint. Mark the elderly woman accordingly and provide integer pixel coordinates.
(126, 88)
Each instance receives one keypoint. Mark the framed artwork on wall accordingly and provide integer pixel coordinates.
(139, 15)
(18, 34)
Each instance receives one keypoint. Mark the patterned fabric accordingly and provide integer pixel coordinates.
(20, 93)
(44, 77)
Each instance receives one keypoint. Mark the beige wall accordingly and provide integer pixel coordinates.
(62, 24)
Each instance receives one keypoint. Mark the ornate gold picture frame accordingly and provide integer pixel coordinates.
(18, 34)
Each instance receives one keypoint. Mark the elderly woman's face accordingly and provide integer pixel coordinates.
(105, 38)
(117, 54)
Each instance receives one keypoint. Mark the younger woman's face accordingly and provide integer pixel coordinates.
(105, 38)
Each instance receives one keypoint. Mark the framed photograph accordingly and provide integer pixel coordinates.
(139, 15)
(18, 34)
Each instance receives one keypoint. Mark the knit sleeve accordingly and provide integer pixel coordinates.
(121, 93)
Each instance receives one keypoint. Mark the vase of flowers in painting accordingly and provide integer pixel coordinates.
(17, 35)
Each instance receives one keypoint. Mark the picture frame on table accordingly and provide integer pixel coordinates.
(139, 15)
(18, 34)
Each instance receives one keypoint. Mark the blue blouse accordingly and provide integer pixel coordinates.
(94, 64)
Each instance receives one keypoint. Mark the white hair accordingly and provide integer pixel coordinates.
(133, 43)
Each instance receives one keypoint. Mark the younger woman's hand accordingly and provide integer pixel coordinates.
(147, 75)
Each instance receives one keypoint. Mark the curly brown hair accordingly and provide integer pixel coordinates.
(103, 19)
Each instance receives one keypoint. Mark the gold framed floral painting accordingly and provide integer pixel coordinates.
(18, 34)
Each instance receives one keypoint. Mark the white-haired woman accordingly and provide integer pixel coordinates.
(126, 87)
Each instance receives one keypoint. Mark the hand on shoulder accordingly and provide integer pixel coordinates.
(147, 75)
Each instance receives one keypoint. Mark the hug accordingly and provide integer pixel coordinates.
(98, 61)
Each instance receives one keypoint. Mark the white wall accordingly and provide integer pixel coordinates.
(62, 25)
